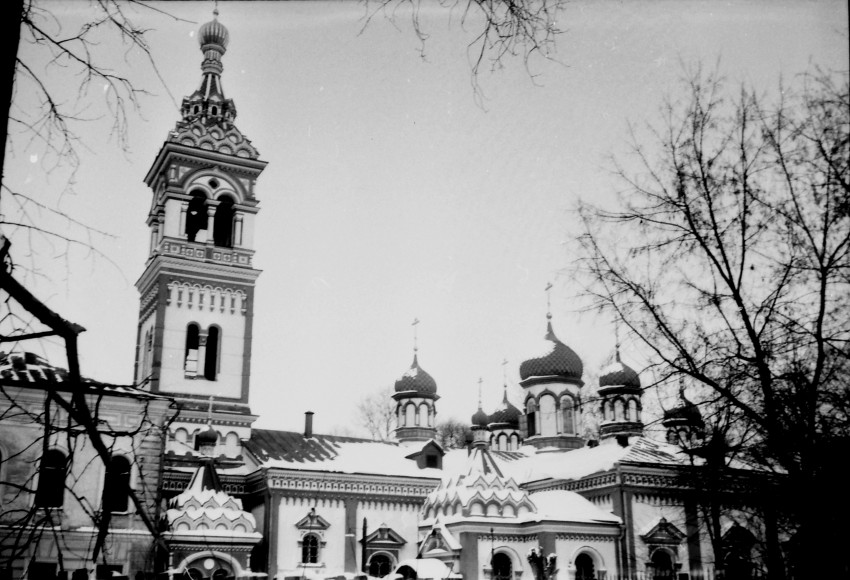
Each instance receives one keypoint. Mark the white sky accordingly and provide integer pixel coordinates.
(389, 193)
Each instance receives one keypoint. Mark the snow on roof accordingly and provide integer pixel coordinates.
(427, 568)
(586, 461)
(569, 506)
(289, 450)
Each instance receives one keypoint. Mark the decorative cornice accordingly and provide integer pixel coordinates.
(295, 484)
(589, 537)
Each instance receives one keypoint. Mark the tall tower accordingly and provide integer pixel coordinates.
(197, 290)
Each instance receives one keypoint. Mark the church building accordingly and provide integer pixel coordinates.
(529, 498)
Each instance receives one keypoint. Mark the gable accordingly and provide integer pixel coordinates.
(312, 521)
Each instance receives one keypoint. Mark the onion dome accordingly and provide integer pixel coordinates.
(556, 359)
(480, 418)
(619, 374)
(416, 380)
(213, 33)
(207, 437)
(687, 413)
(506, 413)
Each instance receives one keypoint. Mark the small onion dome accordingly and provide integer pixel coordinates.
(480, 418)
(619, 374)
(214, 32)
(416, 379)
(208, 436)
(557, 360)
(506, 413)
(686, 413)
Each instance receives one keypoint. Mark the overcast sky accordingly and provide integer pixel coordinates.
(390, 193)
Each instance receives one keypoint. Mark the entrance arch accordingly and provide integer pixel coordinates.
(585, 570)
(661, 565)
(380, 564)
(503, 567)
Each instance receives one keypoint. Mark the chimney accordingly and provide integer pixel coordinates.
(308, 424)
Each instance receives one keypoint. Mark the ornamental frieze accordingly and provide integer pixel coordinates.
(289, 483)
(586, 537)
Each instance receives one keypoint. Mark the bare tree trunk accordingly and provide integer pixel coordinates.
(11, 35)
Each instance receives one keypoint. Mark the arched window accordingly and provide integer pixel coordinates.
(633, 413)
(380, 565)
(51, 479)
(568, 413)
(193, 339)
(502, 567)
(410, 415)
(223, 223)
(116, 485)
(424, 415)
(584, 567)
(531, 417)
(503, 442)
(514, 442)
(548, 415)
(310, 549)
(619, 410)
(662, 565)
(196, 216)
(211, 357)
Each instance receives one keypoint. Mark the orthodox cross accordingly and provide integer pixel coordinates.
(414, 324)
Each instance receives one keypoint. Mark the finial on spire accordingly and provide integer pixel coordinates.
(415, 324)
(617, 339)
(480, 382)
(548, 301)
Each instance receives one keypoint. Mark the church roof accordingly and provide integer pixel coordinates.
(417, 380)
(619, 374)
(204, 509)
(506, 413)
(27, 369)
(333, 453)
(553, 358)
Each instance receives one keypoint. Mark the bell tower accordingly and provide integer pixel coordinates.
(197, 290)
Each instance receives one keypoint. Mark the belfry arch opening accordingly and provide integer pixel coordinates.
(211, 356)
(223, 222)
(196, 215)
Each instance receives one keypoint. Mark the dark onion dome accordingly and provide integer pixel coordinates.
(480, 418)
(557, 360)
(214, 32)
(208, 436)
(506, 413)
(619, 374)
(685, 413)
(416, 379)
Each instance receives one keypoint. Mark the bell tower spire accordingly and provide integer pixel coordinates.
(197, 290)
